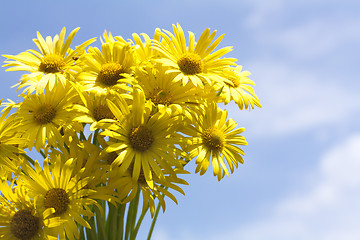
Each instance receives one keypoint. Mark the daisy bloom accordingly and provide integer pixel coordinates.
(214, 139)
(53, 64)
(44, 114)
(239, 89)
(93, 108)
(160, 88)
(196, 62)
(144, 50)
(19, 217)
(60, 194)
(87, 165)
(141, 139)
(108, 71)
(10, 139)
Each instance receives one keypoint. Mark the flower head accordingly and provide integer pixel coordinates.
(52, 65)
(214, 139)
(196, 62)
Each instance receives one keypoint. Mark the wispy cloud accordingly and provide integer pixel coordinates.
(325, 208)
(295, 100)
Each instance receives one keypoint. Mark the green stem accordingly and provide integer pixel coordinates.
(155, 218)
(100, 222)
(82, 136)
(95, 141)
(91, 233)
(136, 230)
(120, 220)
(29, 159)
(111, 222)
(131, 217)
(154, 221)
(82, 233)
(42, 154)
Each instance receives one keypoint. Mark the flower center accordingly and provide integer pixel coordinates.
(58, 199)
(23, 225)
(102, 112)
(110, 74)
(190, 64)
(141, 138)
(213, 139)
(235, 81)
(159, 96)
(44, 114)
(52, 64)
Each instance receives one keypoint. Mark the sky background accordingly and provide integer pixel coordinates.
(301, 175)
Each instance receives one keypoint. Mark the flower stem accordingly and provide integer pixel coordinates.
(131, 217)
(154, 221)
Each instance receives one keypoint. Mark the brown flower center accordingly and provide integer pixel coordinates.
(213, 139)
(102, 112)
(24, 225)
(52, 64)
(110, 74)
(58, 199)
(190, 64)
(141, 138)
(159, 96)
(44, 114)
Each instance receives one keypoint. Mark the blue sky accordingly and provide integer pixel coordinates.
(301, 175)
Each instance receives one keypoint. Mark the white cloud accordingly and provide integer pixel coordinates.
(325, 209)
(294, 100)
(297, 97)
(313, 36)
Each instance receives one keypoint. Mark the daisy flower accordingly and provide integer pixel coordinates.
(215, 139)
(196, 62)
(93, 108)
(10, 139)
(108, 71)
(160, 88)
(44, 115)
(141, 139)
(87, 165)
(19, 217)
(60, 194)
(239, 89)
(144, 50)
(53, 64)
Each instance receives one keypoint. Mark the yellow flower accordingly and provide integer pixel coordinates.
(86, 157)
(60, 194)
(214, 139)
(10, 139)
(44, 115)
(53, 64)
(19, 217)
(160, 88)
(239, 89)
(94, 108)
(196, 62)
(141, 139)
(108, 71)
(145, 51)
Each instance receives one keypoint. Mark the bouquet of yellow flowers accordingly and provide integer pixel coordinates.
(114, 125)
